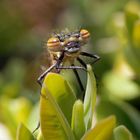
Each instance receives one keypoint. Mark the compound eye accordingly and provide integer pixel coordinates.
(85, 34)
(54, 44)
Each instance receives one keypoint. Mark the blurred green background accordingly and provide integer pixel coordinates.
(115, 37)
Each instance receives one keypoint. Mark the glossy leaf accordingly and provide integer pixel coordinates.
(102, 131)
(56, 100)
(122, 133)
(78, 125)
(90, 97)
(61, 92)
(23, 133)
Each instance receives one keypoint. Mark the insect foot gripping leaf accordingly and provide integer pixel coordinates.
(90, 98)
(56, 104)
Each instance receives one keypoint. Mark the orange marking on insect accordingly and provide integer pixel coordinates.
(84, 34)
(53, 42)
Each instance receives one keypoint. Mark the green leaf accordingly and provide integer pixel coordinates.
(132, 58)
(132, 10)
(56, 101)
(124, 112)
(61, 92)
(32, 120)
(136, 34)
(102, 131)
(136, 40)
(9, 107)
(126, 91)
(23, 133)
(78, 125)
(9, 119)
(39, 136)
(122, 133)
(90, 97)
(132, 50)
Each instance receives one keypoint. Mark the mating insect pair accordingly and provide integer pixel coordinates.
(67, 47)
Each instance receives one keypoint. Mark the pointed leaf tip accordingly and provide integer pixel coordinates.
(122, 133)
(102, 130)
(23, 133)
(78, 125)
(90, 97)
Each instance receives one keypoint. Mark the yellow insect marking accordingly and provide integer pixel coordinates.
(84, 34)
(53, 42)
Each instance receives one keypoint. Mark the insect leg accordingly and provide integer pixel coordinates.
(71, 67)
(50, 68)
(96, 57)
(37, 127)
(78, 78)
(81, 62)
(45, 73)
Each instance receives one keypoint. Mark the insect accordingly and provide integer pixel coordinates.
(65, 47)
